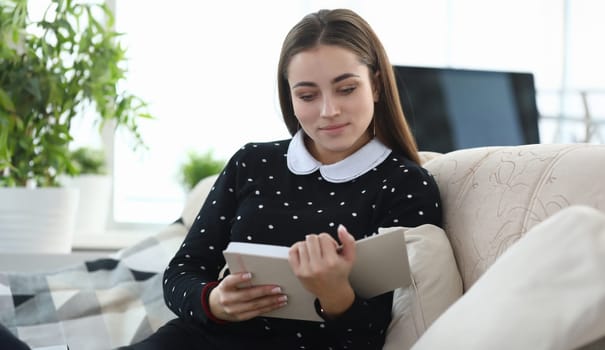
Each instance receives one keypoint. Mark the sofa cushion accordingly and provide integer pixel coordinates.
(546, 291)
(491, 196)
(426, 156)
(436, 284)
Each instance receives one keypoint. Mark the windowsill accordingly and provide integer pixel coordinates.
(44, 262)
(108, 241)
(85, 247)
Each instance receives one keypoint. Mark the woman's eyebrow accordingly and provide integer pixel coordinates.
(303, 83)
(335, 80)
(343, 77)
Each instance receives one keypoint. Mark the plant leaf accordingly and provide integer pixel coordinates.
(6, 102)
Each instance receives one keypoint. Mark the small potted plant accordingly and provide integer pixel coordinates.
(198, 166)
(88, 161)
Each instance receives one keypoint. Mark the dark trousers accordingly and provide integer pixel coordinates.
(8, 341)
(175, 334)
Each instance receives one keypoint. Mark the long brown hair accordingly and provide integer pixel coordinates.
(345, 28)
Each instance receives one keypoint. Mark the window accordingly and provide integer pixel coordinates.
(208, 70)
(583, 91)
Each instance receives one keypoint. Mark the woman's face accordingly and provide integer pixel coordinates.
(333, 97)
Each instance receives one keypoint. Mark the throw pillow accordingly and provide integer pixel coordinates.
(546, 291)
(427, 156)
(436, 284)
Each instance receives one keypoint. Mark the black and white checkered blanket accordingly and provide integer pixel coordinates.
(100, 304)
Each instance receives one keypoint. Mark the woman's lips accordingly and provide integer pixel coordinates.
(333, 127)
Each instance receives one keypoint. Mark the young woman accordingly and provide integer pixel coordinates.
(351, 167)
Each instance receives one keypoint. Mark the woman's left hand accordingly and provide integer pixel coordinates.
(324, 270)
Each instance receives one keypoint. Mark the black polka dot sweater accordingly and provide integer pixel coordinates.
(259, 199)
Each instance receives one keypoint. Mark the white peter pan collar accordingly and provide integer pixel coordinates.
(301, 162)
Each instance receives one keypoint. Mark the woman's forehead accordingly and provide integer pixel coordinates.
(325, 62)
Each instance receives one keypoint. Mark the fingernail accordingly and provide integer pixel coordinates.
(282, 299)
(247, 276)
(276, 290)
(341, 227)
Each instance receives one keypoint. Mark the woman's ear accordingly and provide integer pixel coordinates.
(376, 86)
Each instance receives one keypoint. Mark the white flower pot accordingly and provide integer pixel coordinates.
(93, 207)
(39, 220)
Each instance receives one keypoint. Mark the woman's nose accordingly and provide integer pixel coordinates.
(329, 107)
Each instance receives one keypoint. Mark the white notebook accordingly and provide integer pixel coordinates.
(381, 266)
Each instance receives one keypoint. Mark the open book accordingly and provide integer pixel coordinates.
(381, 265)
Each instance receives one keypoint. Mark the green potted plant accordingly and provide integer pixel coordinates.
(198, 166)
(88, 161)
(51, 70)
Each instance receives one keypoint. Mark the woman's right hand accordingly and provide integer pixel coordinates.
(235, 300)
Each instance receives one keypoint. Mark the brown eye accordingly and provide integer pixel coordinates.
(306, 97)
(348, 90)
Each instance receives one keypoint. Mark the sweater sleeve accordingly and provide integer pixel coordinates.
(195, 268)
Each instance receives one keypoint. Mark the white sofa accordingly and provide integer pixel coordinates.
(548, 292)
(491, 196)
